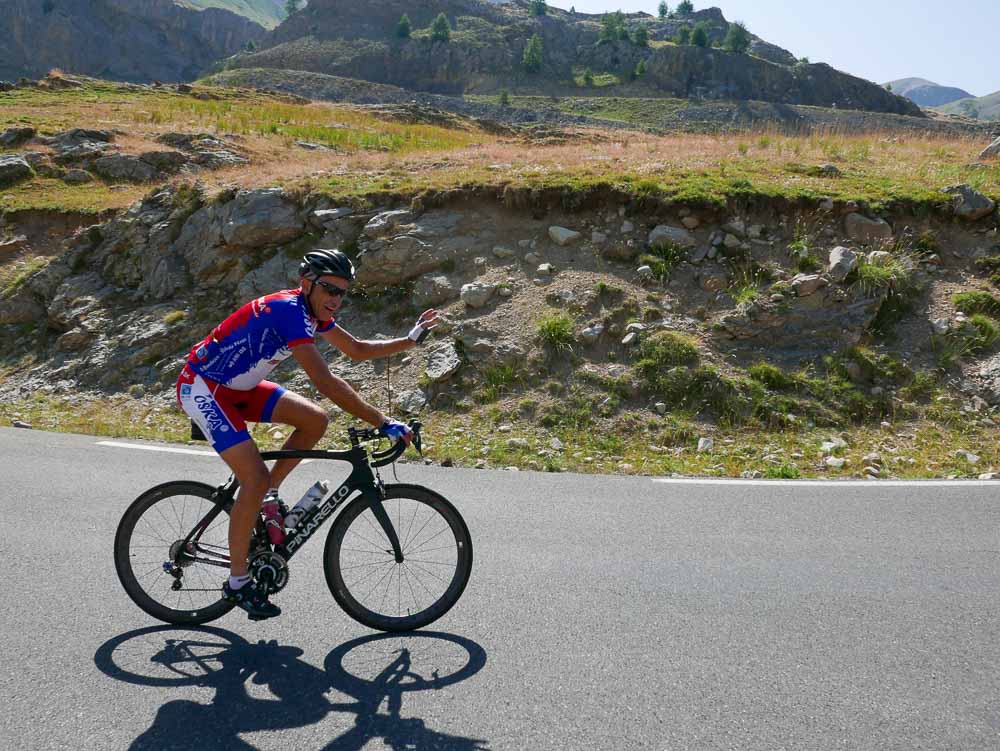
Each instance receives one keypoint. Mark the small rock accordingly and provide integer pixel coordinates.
(545, 269)
(562, 236)
(556, 444)
(713, 283)
(592, 333)
(864, 230)
(627, 227)
(835, 462)
(873, 458)
(20, 424)
(661, 408)
(501, 251)
(644, 272)
(664, 233)
(477, 294)
(990, 475)
(518, 443)
(872, 471)
(940, 326)
(807, 284)
(532, 259)
(598, 238)
(842, 262)
(504, 429)
(480, 464)
(992, 151)
(968, 203)
(690, 222)
(967, 455)
(630, 338)
(705, 445)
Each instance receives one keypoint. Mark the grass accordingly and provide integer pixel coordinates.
(556, 332)
(977, 302)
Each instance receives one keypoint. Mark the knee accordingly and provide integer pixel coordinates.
(317, 424)
(256, 483)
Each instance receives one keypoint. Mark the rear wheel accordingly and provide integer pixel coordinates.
(375, 590)
(168, 584)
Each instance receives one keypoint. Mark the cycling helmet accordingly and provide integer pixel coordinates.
(317, 263)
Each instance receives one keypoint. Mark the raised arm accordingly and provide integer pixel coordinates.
(368, 349)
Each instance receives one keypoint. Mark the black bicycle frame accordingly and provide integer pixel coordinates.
(361, 479)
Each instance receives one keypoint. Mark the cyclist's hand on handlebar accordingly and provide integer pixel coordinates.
(397, 431)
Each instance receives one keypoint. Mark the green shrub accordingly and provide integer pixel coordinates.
(782, 472)
(738, 38)
(699, 36)
(984, 333)
(404, 27)
(556, 331)
(977, 302)
(772, 376)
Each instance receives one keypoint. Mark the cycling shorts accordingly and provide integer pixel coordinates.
(222, 413)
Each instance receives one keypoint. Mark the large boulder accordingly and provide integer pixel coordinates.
(281, 272)
(968, 203)
(867, 231)
(124, 167)
(15, 137)
(433, 289)
(992, 151)
(387, 222)
(442, 363)
(477, 294)
(260, 219)
(14, 169)
(563, 236)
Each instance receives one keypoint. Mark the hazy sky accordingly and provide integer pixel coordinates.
(952, 44)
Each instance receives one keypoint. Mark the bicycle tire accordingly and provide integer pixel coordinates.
(377, 556)
(137, 585)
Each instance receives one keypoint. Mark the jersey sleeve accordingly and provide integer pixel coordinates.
(322, 329)
(293, 324)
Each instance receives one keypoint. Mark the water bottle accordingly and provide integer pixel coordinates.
(313, 496)
(272, 520)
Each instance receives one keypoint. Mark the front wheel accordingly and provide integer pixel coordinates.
(362, 572)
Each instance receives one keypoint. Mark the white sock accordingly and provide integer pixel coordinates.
(236, 582)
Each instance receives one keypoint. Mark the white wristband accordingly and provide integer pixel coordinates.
(418, 333)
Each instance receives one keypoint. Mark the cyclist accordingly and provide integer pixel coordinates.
(222, 387)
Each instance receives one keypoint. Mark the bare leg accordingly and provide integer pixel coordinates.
(310, 422)
(245, 462)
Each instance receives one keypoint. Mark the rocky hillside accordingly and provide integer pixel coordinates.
(128, 40)
(619, 310)
(486, 49)
(926, 93)
(979, 108)
(267, 13)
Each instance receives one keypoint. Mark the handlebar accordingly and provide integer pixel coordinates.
(382, 458)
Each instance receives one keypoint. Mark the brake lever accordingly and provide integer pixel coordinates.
(415, 427)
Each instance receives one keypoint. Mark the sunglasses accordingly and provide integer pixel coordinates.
(331, 289)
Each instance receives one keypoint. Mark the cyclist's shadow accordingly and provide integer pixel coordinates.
(212, 657)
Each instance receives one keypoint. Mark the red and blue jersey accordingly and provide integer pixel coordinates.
(243, 349)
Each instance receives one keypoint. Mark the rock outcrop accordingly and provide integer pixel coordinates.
(127, 40)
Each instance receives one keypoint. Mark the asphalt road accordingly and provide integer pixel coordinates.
(602, 613)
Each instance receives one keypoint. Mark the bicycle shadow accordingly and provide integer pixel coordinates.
(383, 670)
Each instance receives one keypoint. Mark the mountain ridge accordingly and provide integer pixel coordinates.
(927, 93)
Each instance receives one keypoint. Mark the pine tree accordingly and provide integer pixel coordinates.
(292, 6)
(403, 28)
(504, 98)
(532, 58)
(685, 8)
(539, 8)
(699, 37)
(620, 26)
(640, 37)
(664, 9)
(440, 29)
(683, 35)
(640, 69)
(588, 78)
(737, 38)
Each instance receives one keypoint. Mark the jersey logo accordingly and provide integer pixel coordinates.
(211, 413)
(186, 389)
(202, 352)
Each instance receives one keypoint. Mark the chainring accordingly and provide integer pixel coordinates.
(269, 570)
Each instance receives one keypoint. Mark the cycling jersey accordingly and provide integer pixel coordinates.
(249, 344)
(222, 387)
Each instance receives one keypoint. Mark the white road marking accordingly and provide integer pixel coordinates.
(830, 483)
(167, 449)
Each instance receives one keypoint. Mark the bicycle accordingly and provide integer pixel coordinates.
(368, 554)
